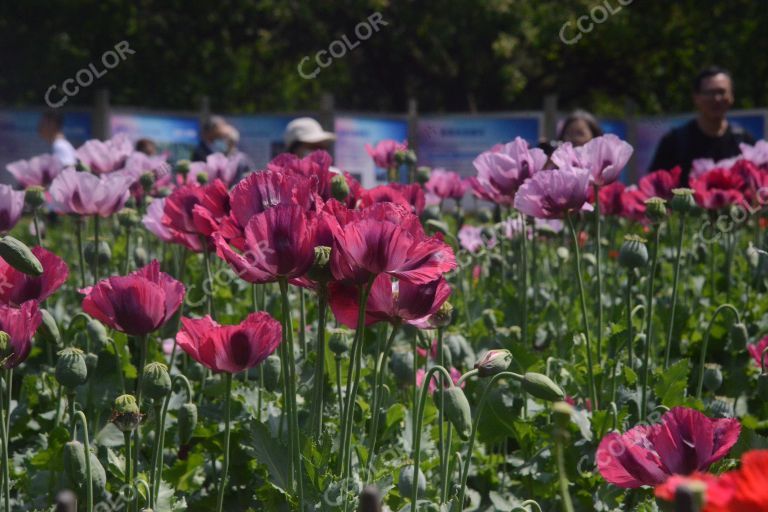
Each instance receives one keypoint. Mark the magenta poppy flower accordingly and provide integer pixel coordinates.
(107, 156)
(756, 351)
(11, 207)
(410, 196)
(195, 211)
(384, 153)
(421, 375)
(263, 190)
(216, 167)
(555, 193)
(446, 184)
(315, 167)
(212, 210)
(390, 300)
(279, 243)
(472, 238)
(20, 324)
(37, 171)
(230, 348)
(685, 441)
(611, 198)
(370, 245)
(718, 188)
(136, 304)
(502, 170)
(17, 287)
(83, 193)
(660, 183)
(604, 157)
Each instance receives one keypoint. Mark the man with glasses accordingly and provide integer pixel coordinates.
(709, 134)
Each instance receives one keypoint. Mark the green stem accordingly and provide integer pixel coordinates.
(588, 343)
(319, 379)
(524, 275)
(649, 325)
(81, 256)
(209, 276)
(675, 281)
(381, 365)
(562, 476)
(37, 227)
(705, 344)
(96, 251)
(79, 415)
(4, 446)
(158, 408)
(128, 459)
(227, 414)
(599, 277)
(127, 263)
(302, 323)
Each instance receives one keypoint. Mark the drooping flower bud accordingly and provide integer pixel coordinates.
(493, 362)
(406, 481)
(104, 253)
(339, 342)
(633, 252)
(563, 253)
(140, 257)
(456, 410)
(18, 255)
(91, 362)
(34, 197)
(713, 377)
(272, 371)
(739, 334)
(126, 415)
(682, 200)
(422, 174)
(48, 331)
(97, 333)
(542, 387)
(339, 187)
(77, 471)
(401, 365)
(156, 382)
(562, 412)
(187, 421)
(656, 209)
(71, 369)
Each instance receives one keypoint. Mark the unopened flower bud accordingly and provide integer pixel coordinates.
(340, 341)
(97, 333)
(18, 255)
(713, 377)
(406, 481)
(339, 187)
(128, 217)
(104, 253)
(739, 335)
(272, 370)
(563, 253)
(126, 415)
(562, 413)
(91, 362)
(422, 174)
(456, 409)
(182, 167)
(401, 365)
(34, 197)
(633, 253)
(187, 422)
(682, 200)
(690, 495)
(656, 209)
(493, 362)
(156, 382)
(542, 387)
(140, 257)
(147, 181)
(320, 270)
(75, 468)
(202, 178)
(71, 369)
(48, 330)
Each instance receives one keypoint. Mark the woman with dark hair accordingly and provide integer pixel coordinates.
(579, 128)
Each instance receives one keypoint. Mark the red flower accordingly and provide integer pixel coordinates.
(17, 287)
(718, 188)
(208, 215)
(756, 351)
(410, 196)
(20, 324)
(230, 348)
(389, 301)
(314, 167)
(685, 441)
(749, 483)
(719, 490)
(178, 215)
(660, 183)
(610, 198)
(136, 304)
(279, 243)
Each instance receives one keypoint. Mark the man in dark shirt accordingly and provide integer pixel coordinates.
(211, 139)
(709, 135)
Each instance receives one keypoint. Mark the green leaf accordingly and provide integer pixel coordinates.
(273, 454)
(670, 389)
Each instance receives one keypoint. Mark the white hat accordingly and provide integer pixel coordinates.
(306, 129)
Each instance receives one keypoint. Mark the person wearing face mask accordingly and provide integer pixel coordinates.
(305, 135)
(212, 139)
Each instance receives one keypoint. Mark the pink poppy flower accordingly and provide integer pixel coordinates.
(17, 287)
(502, 170)
(216, 167)
(208, 215)
(230, 348)
(718, 188)
(756, 351)
(555, 193)
(472, 239)
(757, 154)
(107, 156)
(153, 221)
(421, 375)
(685, 441)
(315, 167)
(604, 157)
(20, 324)
(11, 207)
(136, 304)
(37, 171)
(384, 153)
(83, 193)
(446, 184)
(410, 196)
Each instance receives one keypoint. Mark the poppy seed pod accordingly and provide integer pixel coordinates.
(443, 316)
(272, 370)
(339, 187)
(406, 482)
(91, 362)
(339, 342)
(562, 413)
(187, 421)
(713, 377)
(34, 197)
(401, 364)
(542, 387)
(422, 174)
(182, 167)
(202, 179)
(71, 369)
(682, 200)
(104, 253)
(456, 409)
(48, 330)
(126, 415)
(77, 471)
(18, 255)
(656, 209)
(156, 382)
(633, 252)
(739, 334)
(97, 333)
(320, 270)
(128, 217)
(493, 362)
(147, 181)
(140, 257)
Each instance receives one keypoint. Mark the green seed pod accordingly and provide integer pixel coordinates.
(140, 257)
(401, 364)
(422, 174)
(456, 410)
(91, 362)
(339, 187)
(493, 362)
(128, 217)
(272, 371)
(202, 178)
(182, 167)
(187, 421)
(485, 215)
(406, 482)
(320, 270)
(340, 341)
(104, 254)
(71, 369)
(690, 495)
(34, 197)
(126, 415)
(48, 331)
(739, 334)
(563, 253)
(147, 181)
(562, 413)
(443, 316)
(97, 333)
(76, 470)
(633, 252)
(682, 200)
(542, 387)
(156, 382)
(18, 255)
(656, 209)
(713, 377)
